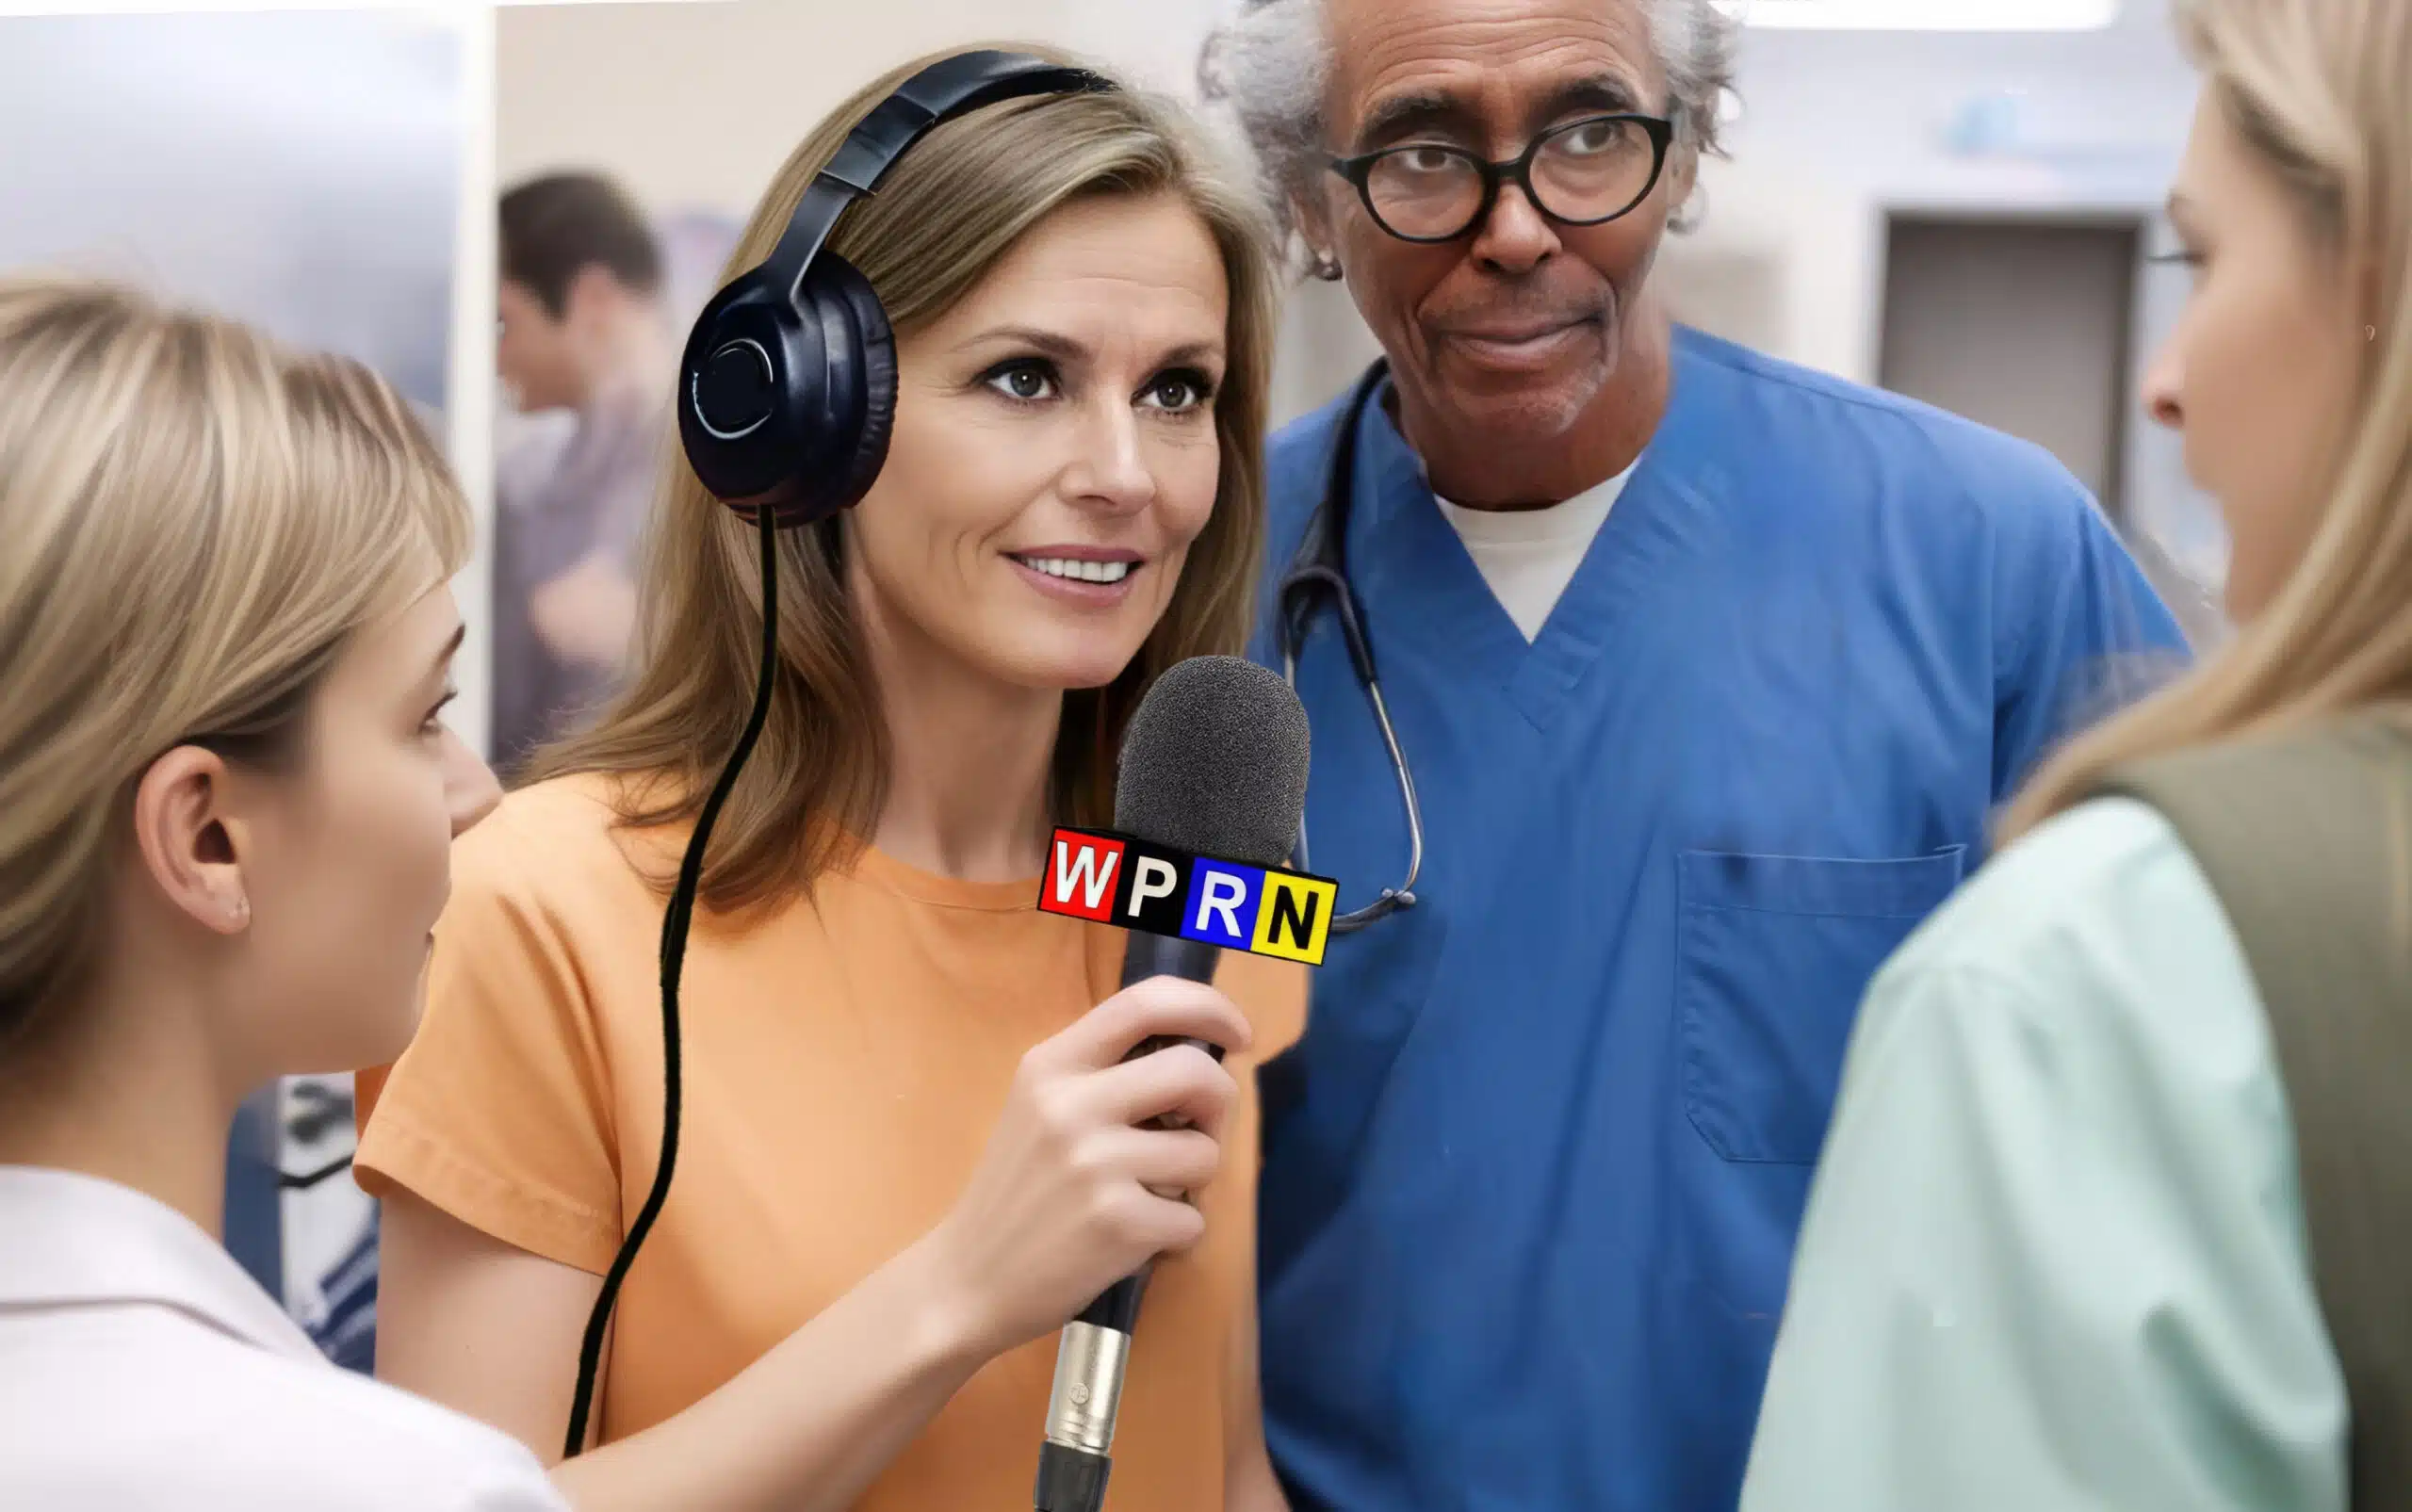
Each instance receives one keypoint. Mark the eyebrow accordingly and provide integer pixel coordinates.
(1054, 343)
(1600, 92)
(1194, 351)
(1389, 120)
(1064, 348)
(1403, 114)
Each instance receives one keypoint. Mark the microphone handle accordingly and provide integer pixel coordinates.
(1077, 1456)
(1159, 955)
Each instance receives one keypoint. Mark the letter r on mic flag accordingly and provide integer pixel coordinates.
(1223, 902)
(1115, 879)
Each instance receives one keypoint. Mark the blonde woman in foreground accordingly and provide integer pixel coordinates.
(2117, 1208)
(227, 803)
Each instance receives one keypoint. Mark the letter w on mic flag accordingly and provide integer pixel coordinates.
(1115, 879)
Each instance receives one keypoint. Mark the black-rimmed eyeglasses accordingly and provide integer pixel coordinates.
(1581, 173)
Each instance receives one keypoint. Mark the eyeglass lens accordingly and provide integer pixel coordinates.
(1587, 170)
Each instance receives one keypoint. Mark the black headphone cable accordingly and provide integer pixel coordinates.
(674, 920)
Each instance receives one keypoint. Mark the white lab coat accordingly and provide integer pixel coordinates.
(142, 1370)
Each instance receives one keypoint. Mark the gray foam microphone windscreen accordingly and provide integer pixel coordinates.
(1215, 762)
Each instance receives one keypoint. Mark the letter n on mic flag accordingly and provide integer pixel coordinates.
(1115, 879)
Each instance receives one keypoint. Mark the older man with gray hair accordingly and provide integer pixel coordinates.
(1658, 690)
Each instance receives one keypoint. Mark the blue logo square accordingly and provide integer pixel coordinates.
(1223, 898)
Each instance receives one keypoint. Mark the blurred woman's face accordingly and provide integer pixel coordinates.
(1055, 451)
(2260, 372)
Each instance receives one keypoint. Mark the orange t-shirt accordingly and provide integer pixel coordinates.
(845, 1060)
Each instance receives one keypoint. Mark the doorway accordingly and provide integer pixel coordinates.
(2021, 325)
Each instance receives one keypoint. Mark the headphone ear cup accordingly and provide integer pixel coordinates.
(862, 376)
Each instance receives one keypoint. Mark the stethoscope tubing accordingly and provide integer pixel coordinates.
(1320, 569)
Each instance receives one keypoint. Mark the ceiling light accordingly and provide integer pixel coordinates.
(1925, 15)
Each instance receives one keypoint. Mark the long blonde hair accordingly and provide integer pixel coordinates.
(193, 522)
(2322, 91)
(947, 212)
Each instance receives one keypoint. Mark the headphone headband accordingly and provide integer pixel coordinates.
(948, 88)
(788, 386)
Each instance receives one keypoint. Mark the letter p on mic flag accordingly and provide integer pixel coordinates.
(1116, 879)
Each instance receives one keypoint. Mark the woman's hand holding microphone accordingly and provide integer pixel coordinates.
(1070, 1196)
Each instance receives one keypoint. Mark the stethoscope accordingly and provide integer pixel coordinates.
(1321, 568)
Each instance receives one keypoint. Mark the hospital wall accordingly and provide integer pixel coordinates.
(1841, 133)
(695, 103)
(693, 106)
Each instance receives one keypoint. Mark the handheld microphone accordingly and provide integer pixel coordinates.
(1214, 762)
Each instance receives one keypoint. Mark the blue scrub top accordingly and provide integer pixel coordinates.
(1532, 1176)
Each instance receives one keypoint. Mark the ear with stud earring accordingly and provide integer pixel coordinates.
(1324, 267)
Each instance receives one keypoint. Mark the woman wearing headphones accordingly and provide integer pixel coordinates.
(227, 801)
(887, 1201)
(2117, 1207)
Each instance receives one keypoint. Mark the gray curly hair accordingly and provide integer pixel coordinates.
(1270, 65)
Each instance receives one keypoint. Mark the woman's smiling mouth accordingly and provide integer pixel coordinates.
(1079, 574)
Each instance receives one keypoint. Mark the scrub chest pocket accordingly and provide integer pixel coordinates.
(1772, 955)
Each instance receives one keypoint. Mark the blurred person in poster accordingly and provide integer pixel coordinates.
(583, 331)
(2117, 1207)
(695, 246)
(1664, 685)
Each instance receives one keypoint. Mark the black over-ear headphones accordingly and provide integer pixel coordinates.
(789, 384)
(786, 395)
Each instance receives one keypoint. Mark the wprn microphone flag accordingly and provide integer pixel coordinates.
(1116, 879)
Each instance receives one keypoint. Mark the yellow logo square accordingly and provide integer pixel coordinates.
(1294, 920)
